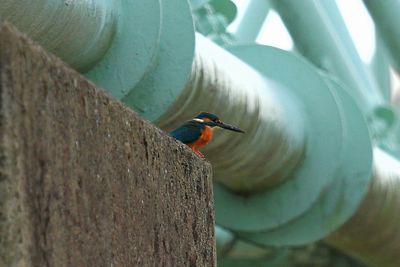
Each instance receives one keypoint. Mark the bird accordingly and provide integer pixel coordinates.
(198, 131)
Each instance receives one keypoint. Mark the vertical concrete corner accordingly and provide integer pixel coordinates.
(84, 181)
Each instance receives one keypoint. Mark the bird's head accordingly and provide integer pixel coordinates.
(212, 120)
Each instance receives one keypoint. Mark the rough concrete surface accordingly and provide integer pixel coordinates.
(84, 181)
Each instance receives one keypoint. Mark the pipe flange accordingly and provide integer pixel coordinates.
(133, 49)
(162, 85)
(285, 202)
(344, 195)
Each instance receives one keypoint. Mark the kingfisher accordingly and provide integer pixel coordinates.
(198, 132)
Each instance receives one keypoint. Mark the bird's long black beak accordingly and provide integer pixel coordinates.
(229, 127)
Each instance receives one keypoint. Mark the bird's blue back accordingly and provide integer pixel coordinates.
(188, 132)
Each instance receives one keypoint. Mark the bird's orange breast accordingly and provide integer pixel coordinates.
(205, 137)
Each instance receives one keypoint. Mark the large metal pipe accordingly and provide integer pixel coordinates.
(79, 32)
(102, 40)
(373, 233)
(385, 15)
(252, 21)
(267, 111)
(233, 251)
(380, 68)
(320, 35)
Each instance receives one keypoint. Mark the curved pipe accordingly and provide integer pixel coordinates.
(252, 21)
(373, 234)
(225, 240)
(241, 252)
(264, 109)
(385, 15)
(79, 32)
(330, 46)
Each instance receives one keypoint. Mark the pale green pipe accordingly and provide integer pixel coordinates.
(373, 233)
(79, 32)
(380, 67)
(234, 249)
(225, 240)
(271, 116)
(252, 21)
(321, 35)
(196, 4)
(386, 17)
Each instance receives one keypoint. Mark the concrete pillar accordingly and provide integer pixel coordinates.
(84, 181)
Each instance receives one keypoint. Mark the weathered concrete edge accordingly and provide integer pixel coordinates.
(9, 188)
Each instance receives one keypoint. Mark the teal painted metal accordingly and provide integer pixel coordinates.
(225, 7)
(232, 251)
(225, 240)
(162, 84)
(386, 15)
(329, 46)
(247, 254)
(380, 68)
(252, 21)
(269, 115)
(207, 22)
(324, 139)
(373, 233)
(138, 51)
(100, 38)
(242, 248)
(197, 4)
(345, 193)
(266, 261)
(79, 32)
(134, 48)
(213, 17)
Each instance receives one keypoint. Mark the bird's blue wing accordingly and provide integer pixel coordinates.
(187, 133)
